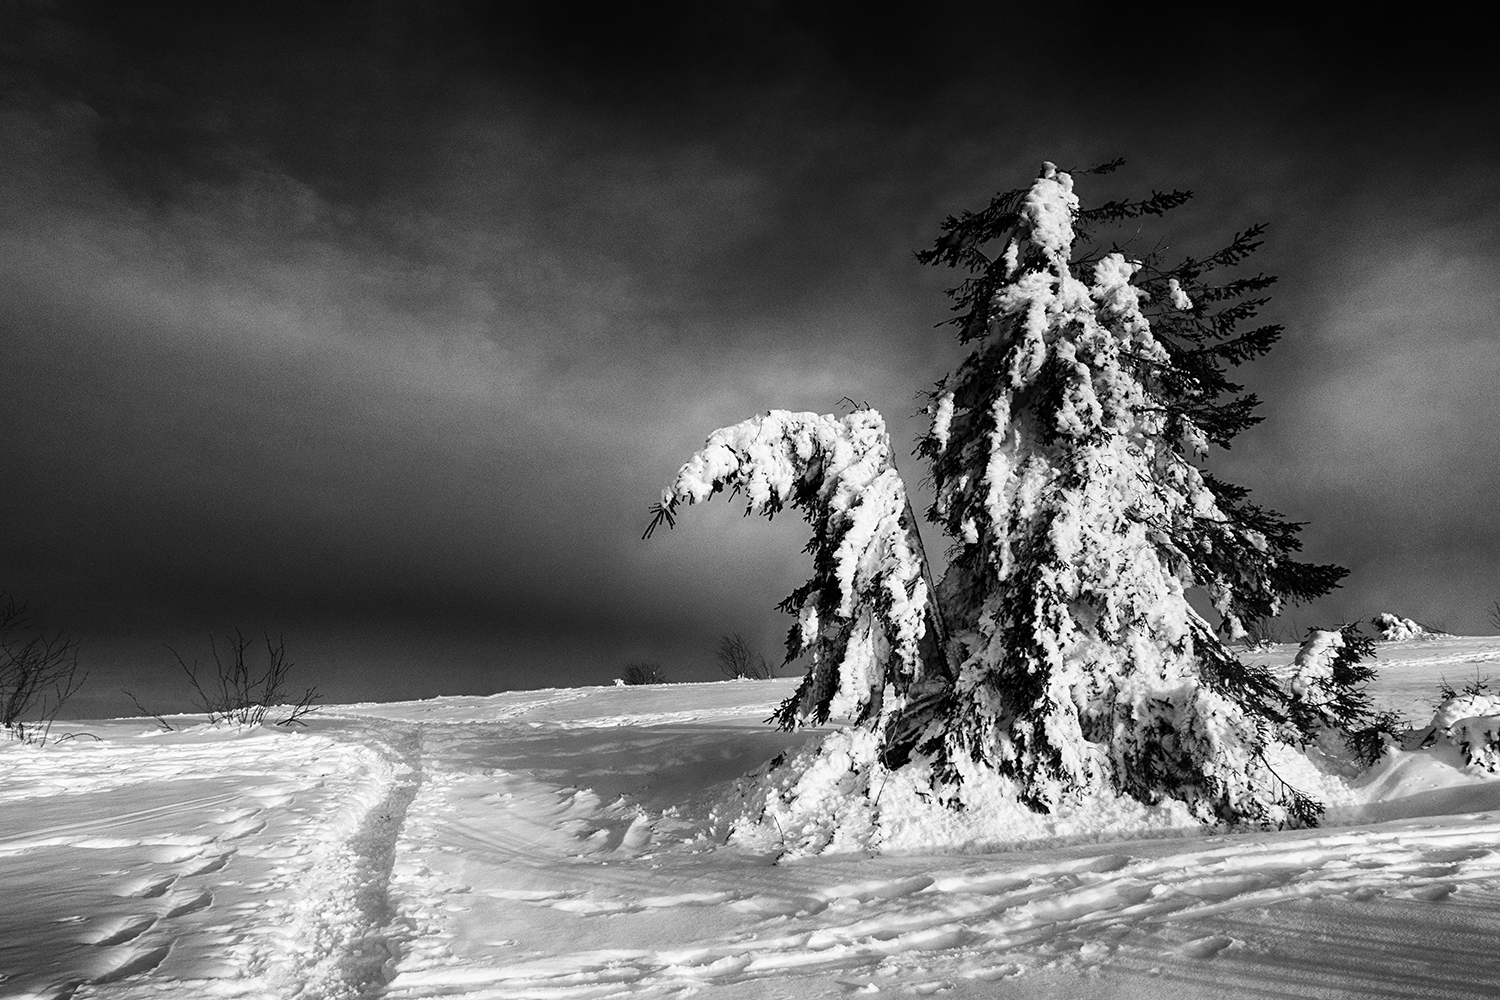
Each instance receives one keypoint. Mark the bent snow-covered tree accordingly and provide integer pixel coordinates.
(863, 616)
(1059, 649)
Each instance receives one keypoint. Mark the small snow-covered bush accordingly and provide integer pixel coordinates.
(1469, 719)
(1478, 737)
(1394, 628)
(1475, 700)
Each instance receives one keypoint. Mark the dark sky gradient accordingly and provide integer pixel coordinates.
(380, 325)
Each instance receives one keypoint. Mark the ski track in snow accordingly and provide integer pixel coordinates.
(553, 844)
(264, 886)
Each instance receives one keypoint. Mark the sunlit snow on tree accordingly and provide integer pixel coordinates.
(1059, 652)
(860, 618)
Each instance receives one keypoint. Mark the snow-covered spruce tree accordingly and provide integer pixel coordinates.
(1065, 453)
(1059, 650)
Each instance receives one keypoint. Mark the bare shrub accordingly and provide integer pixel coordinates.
(644, 673)
(1494, 614)
(1261, 633)
(238, 693)
(38, 673)
(148, 712)
(738, 658)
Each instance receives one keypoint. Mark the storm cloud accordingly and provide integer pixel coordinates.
(380, 325)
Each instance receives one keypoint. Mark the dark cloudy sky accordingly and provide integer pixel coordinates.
(380, 324)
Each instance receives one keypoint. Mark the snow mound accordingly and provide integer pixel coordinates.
(1394, 628)
(835, 796)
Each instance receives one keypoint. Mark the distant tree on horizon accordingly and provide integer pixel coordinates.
(738, 658)
(644, 673)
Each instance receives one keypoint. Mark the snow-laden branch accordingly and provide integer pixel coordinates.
(862, 616)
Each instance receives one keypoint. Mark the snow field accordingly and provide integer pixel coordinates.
(574, 844)
(238, 862)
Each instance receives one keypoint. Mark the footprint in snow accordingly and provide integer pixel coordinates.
(189, 902)
(1206, 947)
(849, 987)
(728, 967)
(863, 892)
(138, 962)
(243, 828)
(771, 906)
(929, 988)
(1435, 893)
(273, 797)
(119, 930)
(990, 973)
(235, 815)
(689, 899)
(532, 895)
(175, 854)
(207, 866)
(149, 888)
(57, 991)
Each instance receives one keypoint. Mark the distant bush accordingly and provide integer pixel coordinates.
(738, 658)
(644, 673)
(1494, 614)
(38, 673)
(1262, 633)
(238, 693)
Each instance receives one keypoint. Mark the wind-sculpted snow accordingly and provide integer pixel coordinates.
(575, 844)
(253, 859)
(973, 923)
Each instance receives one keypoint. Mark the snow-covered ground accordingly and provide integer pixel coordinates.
(563, 844)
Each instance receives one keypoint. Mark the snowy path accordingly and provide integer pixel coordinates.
(555, 844)
(258, 861)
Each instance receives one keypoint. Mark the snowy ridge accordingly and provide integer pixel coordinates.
(601, 706)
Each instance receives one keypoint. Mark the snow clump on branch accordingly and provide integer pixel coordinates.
(862, 616)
